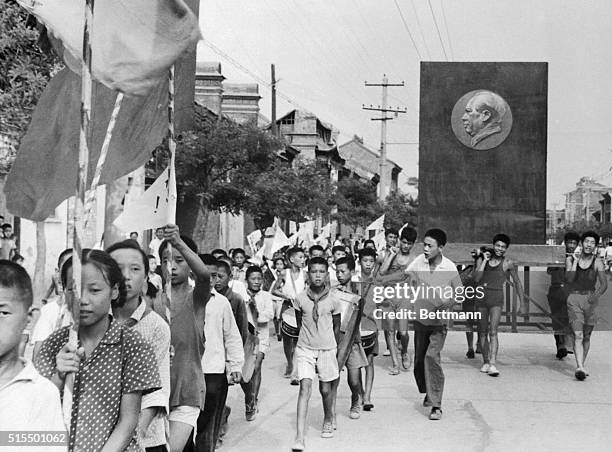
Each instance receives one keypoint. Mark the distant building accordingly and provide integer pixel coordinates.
(555, 220)
(237, 101)
(366, 162)
(240, 102)
(583, 203)
(209, 85)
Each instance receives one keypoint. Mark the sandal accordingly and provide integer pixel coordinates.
(406, 363)
(394, 371)
(328, 430)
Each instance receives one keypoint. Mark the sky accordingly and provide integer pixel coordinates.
(324, 51)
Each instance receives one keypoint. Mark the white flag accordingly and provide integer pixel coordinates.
(379, 240)
(253, 238)
(377, 224)
(280, 241)
(154, 209)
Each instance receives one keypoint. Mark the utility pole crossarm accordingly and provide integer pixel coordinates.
(384, 109)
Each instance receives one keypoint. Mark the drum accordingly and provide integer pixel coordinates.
(289, 324)
(369, 341)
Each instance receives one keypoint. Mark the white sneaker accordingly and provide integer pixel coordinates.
(485, 368)
(493, 372)
(386, 353)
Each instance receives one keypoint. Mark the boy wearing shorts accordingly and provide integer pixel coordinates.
(318, 316)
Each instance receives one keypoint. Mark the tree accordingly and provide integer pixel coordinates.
(25, 70)
(298, 192)
(400, 209)
(235, 168)
(357, 202)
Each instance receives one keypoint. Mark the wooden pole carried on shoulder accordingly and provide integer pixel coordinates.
(79, 206)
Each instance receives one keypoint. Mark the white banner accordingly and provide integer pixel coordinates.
(151, 210)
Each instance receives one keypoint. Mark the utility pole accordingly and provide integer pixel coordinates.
(382, 191)
(273, 86)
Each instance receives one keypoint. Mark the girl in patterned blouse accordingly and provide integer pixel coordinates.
(113, 364)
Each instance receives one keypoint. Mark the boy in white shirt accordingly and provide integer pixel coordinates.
(223, 352)
(260, 311)
(28, 401)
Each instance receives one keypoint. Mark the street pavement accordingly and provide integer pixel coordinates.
(535, 404)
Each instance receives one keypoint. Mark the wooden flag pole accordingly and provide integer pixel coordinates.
(80, 201)
(91, 195)
(171, 214)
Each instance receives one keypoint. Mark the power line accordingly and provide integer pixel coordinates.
(407, 29)
(437, 29)
(450, 44)
(416, 16)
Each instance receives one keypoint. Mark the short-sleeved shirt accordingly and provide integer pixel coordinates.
(442, 278)
(122, 363)
(317, 335)
(52, 317)
(186, 377)
(31, 402)
(156, 332)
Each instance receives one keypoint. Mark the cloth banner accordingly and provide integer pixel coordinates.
(149, 211)
(134, 43)
(44, 172)
(377, 224)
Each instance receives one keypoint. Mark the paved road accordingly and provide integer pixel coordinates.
(535, 404)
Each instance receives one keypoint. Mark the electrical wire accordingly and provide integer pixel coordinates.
(408, 29)
(437, 29)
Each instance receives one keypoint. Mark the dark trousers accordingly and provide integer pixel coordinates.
(557, 300)
(156, 449)
(209, 421)
(428, 343)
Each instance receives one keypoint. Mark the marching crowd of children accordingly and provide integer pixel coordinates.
(153, 365)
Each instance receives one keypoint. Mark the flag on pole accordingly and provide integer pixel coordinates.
(379, 240)
(280, 241)
(151, 210)
(137, 42)
(43, 173)
(253, 238)
(377, 224)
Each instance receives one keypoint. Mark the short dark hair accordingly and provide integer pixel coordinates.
(409, 234)
(209, 259)
(130, 244)
(390, 231)
(317, 261)
(253, 269)
(188, 241)
(591, 234)
(294, 250)
(238, 251)
(133, 232)
(365, 252)
(279, 258)
(7, 225)
(225, 265)
(62, 255)
(13, 276)
(315, 248)
(150, 256)
(501, 238)
(438, 235)
(571, 235)
(368, 242)
(338, 248)
(218, 251)
(17, 257)
(349, 261)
